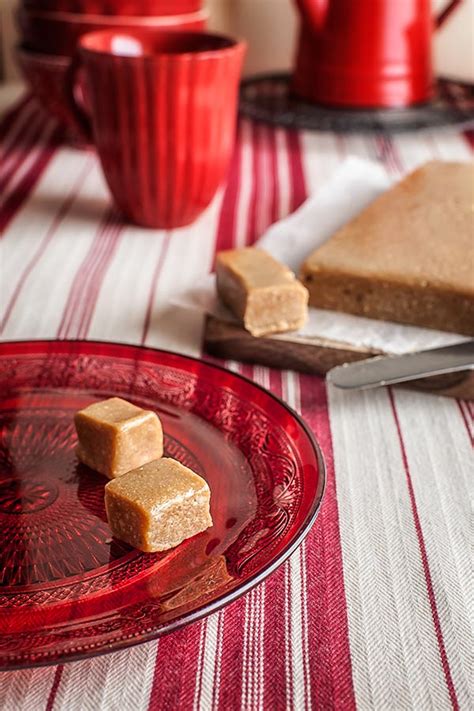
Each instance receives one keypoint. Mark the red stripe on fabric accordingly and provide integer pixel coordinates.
(287, 596)
(200, 664)
(275, 382)
(263, 219)
(424, 559)
(252, 231)
(274, 668)
(63, 210)
(388, 155)
(9, 118)
(154, 284)
(21, 149)
(83, 276)
(232, 637)
(268, 204)
(175, 670)
(97, 278)
(275, 630)
(446, 13)
(89, 295)
(275, 187)
(246, 370)
(297, 180)
(466, 422)
(231, 662)
(15, 132)
(22, 191)
(328, 632)
(382, 152)
(216, 688)
(227, 219)
(52, 694)
(305, 621)
(265, 190)
(231, 634)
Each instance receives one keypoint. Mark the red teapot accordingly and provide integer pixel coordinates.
(364, 53)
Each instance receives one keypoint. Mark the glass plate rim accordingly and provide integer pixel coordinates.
(228, 597)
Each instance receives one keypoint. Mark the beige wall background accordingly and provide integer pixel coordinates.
(270, 29)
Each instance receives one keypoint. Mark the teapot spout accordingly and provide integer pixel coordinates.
(314, 13)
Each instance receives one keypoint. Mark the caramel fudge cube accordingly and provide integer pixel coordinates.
(116, 436)
(158, 505)
(261, 292)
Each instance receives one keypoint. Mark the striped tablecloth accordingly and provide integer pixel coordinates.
(373, 610)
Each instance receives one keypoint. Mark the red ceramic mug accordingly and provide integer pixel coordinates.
(130, 8)
(364, 52)
(58, 32)
(163, 109)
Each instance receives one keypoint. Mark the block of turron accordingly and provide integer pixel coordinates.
(407, 257)
(157, 506)
(116, 436)
(263, 293)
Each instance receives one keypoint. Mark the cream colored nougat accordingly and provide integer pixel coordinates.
(116, 436)
(263, 293)
(158, 505)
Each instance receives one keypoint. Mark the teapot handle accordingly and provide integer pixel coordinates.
(314, 11)
(443, 15)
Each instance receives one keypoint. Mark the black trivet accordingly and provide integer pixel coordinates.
(267, 97)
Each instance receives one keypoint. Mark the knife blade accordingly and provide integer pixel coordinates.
(388, 370)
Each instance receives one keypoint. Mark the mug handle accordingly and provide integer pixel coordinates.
(78, 113)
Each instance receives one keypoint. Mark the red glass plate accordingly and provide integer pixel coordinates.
(67, 589)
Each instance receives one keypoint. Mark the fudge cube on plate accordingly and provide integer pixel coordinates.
(116, 436)
(158, 505)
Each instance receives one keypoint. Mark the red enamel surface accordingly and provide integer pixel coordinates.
(164, 160)
(58, 33)
(366, 53)
(115, 7)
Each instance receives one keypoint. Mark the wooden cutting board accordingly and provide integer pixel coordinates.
(231, 342)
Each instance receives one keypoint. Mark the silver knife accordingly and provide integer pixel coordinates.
(387, 370)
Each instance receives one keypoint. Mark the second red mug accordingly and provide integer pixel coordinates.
(163, 108)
